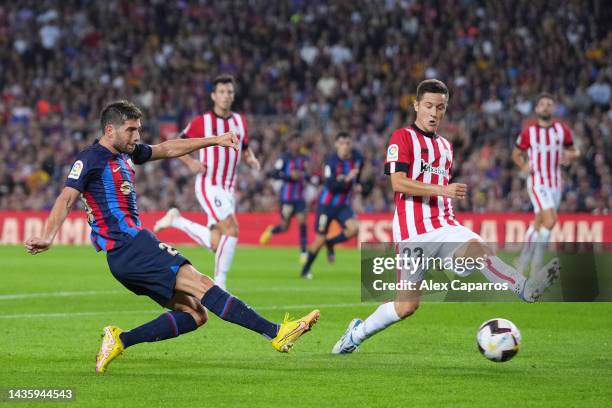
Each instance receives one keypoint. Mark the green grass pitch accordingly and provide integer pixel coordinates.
(53, 306)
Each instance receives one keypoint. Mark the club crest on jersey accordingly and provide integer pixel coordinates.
(131, 164)
(76, 170)
(435, 170)
(392, 153)
(126, 187)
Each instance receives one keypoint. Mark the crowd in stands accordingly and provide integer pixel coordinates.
(309, 67)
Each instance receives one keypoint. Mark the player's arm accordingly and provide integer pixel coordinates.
(518, 156)
(194, 165)
(181, 147)
(279, 170)
(59, 212)
(337, 182)
(569, 154)
(401, 183)
(249, 158)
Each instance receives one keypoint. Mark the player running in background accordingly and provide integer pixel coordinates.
(341, 178)
(549, 145)
(292, 168)
(103, 176)
(419, 162)
(216, 178)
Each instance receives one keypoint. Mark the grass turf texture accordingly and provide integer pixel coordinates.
(428, 360)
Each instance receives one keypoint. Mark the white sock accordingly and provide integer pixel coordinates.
(497, 271)
(382, 318)
(528, 246)
(223, 258)
(197, 232)
(540, 248)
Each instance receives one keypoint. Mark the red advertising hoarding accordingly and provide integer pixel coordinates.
(16, 226)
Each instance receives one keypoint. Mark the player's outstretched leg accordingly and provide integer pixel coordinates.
(313, 251)
(497, 271)
(303, 243)
(232, 309)
(173, 219)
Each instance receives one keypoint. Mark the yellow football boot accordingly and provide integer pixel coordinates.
(111, 348)
(266, 235)
(291, 330)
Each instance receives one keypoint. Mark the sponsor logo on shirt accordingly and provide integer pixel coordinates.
(427, 167)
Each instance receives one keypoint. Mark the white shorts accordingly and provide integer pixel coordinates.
(217, 202)
(544, 198)
(440, 243)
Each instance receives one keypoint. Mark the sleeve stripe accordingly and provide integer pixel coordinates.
(395, 167)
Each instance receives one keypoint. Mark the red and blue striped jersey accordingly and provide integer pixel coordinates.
(106, 183)
(292, 190)
(336, 193)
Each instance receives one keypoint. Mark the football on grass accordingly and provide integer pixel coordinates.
(498, 339)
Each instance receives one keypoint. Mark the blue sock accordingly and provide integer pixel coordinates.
(337, 239)
(309, 261)
(303, 237)
(170, 324)
(277, 229)
(232, 309)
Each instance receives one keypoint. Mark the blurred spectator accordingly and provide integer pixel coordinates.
(310, 66)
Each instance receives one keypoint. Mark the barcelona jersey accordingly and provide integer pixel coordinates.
(106, 182)
(337, 193)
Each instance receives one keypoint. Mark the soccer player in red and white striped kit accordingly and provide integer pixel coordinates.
(549, 145)
(419, 163)
(216, 178)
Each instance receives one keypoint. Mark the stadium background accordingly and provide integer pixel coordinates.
(310, 67)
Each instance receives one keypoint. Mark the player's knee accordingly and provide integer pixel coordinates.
(199, 316)
(549, 221)
(406, 308)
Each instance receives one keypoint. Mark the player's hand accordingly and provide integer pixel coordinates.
(228, 139)
(455, 190)
(526, 168)
(254, 163)
(196, 167)
(37, 245)
(352, 174)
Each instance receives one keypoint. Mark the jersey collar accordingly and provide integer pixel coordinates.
(431, 135)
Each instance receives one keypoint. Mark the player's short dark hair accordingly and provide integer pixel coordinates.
(117, 112)
(343, 135)
(224, 79)
(431, 86)
(543, 95)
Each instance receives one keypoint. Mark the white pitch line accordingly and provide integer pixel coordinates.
(128, 312)
(17, 296)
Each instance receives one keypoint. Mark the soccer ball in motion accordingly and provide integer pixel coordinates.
(498, 339)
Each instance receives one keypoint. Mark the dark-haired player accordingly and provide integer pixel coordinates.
(419, 163)
(216, 178)
(292, 168)
(548, 145)
(103, 177)
(341, 176)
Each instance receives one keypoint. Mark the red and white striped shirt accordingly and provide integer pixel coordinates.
(544, 147)
(427, 158)
(221, 162)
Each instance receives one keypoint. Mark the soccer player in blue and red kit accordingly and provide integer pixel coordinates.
(341, 178)
(103, 177)
(292, 168)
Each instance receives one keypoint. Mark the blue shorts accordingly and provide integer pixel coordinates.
(146, 266)
(327, 213)
(290, 208)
